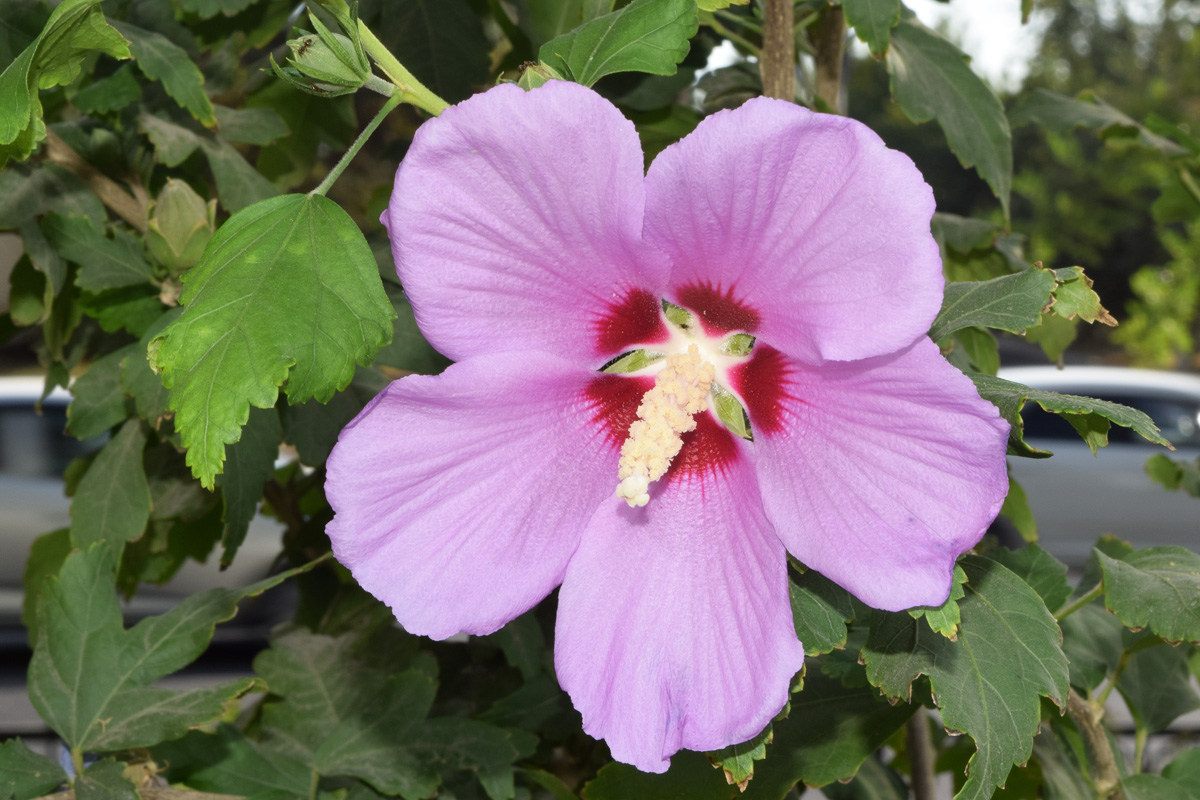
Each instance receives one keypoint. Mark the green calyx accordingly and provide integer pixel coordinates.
(326, 63)
(535, 75)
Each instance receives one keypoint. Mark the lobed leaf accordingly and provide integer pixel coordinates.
(1089, 417)
(944, 619)
(645, 36)
(25, 774)
(1058, 113)
(1011, 303)
(828, 734)
(1157, 684)
(987, 683)
(1043, 572)
(89, 677)
(251, 464)
(820, 612)
(931, 80)
(690, 777)
(287, 290)
(104, 263)
(112, 502)
(873, 21)
(98, 402)
(74, 29)
(1156, 588)
(162, 60)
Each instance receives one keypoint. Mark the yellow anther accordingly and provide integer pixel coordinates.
(667, 412)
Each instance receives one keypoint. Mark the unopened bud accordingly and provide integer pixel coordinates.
(180, 225)
(325, 63)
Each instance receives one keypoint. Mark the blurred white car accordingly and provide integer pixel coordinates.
(1076, 496)
(34, 451)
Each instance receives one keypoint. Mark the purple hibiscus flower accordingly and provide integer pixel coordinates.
(535, 252)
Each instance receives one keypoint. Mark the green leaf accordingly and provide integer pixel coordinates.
(737, 760)
(690, 777)
(873, 21)
(441, 41)
(1157, 687)
(1184, 770)
(113, 93)
(1155, 588)
(140, 382)
(46, 558)
(162, 60)
(27, 192)
(113, 500)
(523, 644)
(250, 125)
(44, 259)
(287, 290)
(543, 20)
(105, 780)
(1173, 475)
(251, 463)
(873, 781)
(820, 612)
(99, 403)
(1016, 509)
(644, 36)
(1053, 335)
(988, 682)
(25, 774)
(1074, 297)
(1011, 303)
(90, 679)
(1056, 112)
(1153, 787)
(74, 29)
(931, 80)
(831, 730)
(1092, 642)
(1090, 417)
(1042, 571)
(485, 750)
(313, 428)
(239, 184)
(103, 263)
(962, 234)
(346, 715)
(206, 9)
(228, 763)
(944, 619)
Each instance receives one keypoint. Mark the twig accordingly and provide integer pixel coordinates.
(829, 37)
(155, 793)
(1088, 718)
(778, 64)
(119, 201)
(920, 754)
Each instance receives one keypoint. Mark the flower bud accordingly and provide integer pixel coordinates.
(325, 63)
(180, 225)
(534, 75)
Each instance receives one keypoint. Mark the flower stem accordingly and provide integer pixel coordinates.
(778, 64)
(920, 754)
(411, 90)
(1084, 599)
(349, 155)
(1139, 751)
(829, 37)
(1087, 716)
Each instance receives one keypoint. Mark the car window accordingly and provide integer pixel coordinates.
(34, 445)
(1178, 419)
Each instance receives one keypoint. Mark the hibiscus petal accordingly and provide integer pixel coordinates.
(516, 223)
(880, 473)
(460, 497)
(804, 225)
(674, 623)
